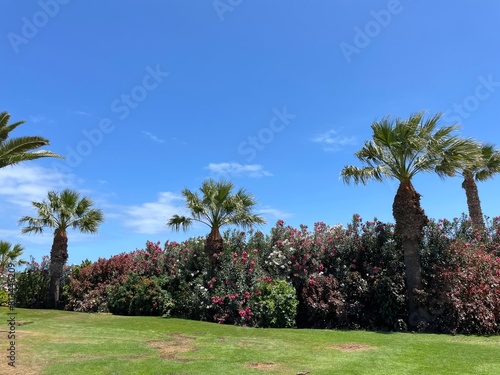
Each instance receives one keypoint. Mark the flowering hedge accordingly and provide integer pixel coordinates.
(330, 277)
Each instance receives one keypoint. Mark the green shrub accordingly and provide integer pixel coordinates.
(276, 304)
(4, 297)
(140, 295)
(32, 285)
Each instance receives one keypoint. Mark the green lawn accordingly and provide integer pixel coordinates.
(60, 342)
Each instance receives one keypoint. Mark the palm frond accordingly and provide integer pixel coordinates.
(177, 222)
(16, 150)
(402, 148)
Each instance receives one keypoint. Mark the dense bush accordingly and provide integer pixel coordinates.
(140, 295)
(276, 303)
(348, 267)
(87, 290)
(466, 291)
(32, 285)
(234, 288)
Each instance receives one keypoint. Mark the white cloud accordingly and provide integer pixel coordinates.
(153, 137)
(274, 213)
(21, 185)
(151, 217)
(37, 118)
(82, 113)
(236, 169)
(24, 183)
(332, 140)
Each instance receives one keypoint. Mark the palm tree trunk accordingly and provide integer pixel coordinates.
(473, 202)
(410, 220)
(213, 245)
(58, 258)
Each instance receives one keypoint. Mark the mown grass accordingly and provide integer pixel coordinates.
(60, 342)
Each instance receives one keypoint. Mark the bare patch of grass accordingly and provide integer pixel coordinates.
(261, 366)
(352, 347)
(169, 349)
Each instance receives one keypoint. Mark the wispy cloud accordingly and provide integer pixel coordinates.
(274, 213)
(150, 217)
(82, 113)
(333, 140)
(22, 184)
(37, 119)
(180, 141)
(153, 137)
(236, 169)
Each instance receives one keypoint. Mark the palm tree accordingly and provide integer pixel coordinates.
(9, 254)
(62, 211)
(16, 150)
(216, 208)
(399, 150)
(479, 168)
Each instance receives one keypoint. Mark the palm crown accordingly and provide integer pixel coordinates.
(485, 166)
(62, 211)
(10, 254)
(217, 207)
(404, 148)
(480, 167)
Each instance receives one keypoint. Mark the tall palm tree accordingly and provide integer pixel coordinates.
(16, 150)
(480, 168)
(399, 150)
(9, 254)
(62, 211)
(216, 208)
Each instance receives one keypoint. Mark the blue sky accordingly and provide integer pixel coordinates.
(147, 97)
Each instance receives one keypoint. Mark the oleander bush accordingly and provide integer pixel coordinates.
(465, 291)
(87, 289)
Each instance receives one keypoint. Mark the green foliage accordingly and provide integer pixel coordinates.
(32, 285)
(4, 297)
(277, 304)
(140, 296)
(16, 150)
(10, 255)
